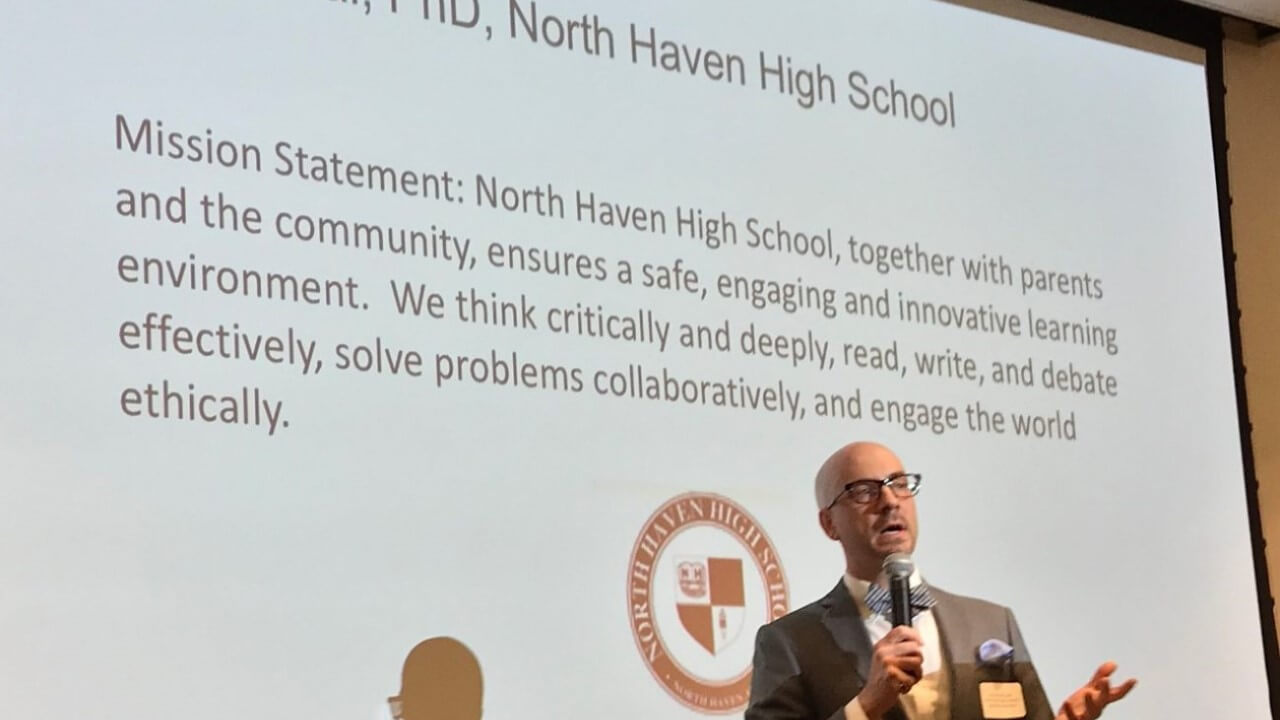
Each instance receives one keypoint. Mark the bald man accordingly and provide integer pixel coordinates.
(841, 658)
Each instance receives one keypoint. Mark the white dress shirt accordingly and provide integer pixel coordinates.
(929, 699)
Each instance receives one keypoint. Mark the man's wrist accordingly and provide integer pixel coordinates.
(865, 705)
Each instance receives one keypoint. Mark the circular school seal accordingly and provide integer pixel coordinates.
(703, 576)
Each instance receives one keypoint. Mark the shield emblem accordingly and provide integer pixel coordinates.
(710, 600)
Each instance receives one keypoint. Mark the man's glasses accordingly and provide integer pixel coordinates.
(903, 485)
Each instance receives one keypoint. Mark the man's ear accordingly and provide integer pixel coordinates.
(828, 527)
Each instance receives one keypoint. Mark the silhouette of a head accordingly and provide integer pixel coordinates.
(441, 680)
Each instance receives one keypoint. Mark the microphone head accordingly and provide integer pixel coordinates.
(898, 565)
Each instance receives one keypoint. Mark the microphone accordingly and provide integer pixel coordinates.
(898, 568)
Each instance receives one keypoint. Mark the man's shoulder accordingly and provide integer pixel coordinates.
(802, 617)
(807, 616)
(968, 606)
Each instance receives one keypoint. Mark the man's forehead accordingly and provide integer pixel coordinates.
(864, 460)
(854, 461)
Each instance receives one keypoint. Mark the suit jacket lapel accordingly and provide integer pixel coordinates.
(844, 622)
(845, 625)
(963, 688)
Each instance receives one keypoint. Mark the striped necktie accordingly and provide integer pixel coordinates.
(879, 601)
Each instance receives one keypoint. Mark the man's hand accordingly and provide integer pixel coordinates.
(1087, 702)
(897, 663)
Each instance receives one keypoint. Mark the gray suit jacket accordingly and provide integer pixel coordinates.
(811, 662)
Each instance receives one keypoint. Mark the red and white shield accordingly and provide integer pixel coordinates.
(710, 599)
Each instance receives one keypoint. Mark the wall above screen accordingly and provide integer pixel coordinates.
(1266, 12)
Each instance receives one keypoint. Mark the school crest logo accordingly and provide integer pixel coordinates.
(702, 577)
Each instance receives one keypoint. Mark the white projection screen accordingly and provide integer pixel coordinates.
(334, 330)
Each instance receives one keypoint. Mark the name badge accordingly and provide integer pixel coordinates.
(1002, 700)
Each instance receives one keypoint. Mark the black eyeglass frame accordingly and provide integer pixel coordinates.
(909, 489)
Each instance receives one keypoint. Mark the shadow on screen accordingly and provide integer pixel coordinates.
(441, 680)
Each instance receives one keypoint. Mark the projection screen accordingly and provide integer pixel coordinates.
(515, 332)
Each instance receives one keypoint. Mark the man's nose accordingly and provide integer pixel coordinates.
(888, 499)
